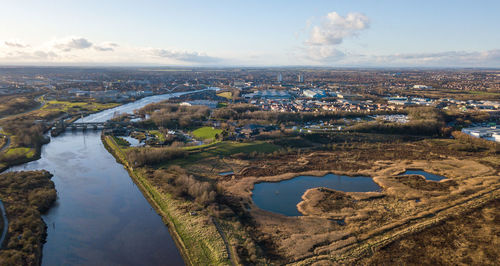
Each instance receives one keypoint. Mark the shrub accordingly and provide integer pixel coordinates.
(151, 156)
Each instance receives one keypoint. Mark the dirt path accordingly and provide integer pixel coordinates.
(226, 243)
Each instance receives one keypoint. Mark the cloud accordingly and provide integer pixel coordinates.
(324, 39)
(106, 47)
(191, 57)
(15, 44)
(74, 43)
(324, 53)
(489, 58)
(103, 49)
(80, 50)
(335, 28)
(44, 55)
(446, 58)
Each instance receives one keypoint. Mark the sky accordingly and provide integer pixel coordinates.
(333, 33)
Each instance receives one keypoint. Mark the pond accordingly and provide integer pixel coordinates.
(425, 174)
(226, 173)
(133, 141)
(283, 197)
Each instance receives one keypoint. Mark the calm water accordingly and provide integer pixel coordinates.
(130, 107)
(133, 141)
(283, 197)
(427, 176)
(100, 216)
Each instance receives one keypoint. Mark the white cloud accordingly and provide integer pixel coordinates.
(73, 43)
(193, 57)
(335, 28)
(80, 50)
(325, 53)
(16, 44)
(489, 58)
(322, 44)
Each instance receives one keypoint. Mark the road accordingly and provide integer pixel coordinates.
(7, 142)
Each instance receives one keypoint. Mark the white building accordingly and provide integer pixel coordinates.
(489, 133)
(422, 87)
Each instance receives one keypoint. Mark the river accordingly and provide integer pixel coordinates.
(100, 216)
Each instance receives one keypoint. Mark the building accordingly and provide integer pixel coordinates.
(268, 94)
(300, 78)
(489, 133)
(397, 100)
(314, 93)
(422, 87)
(280, 77)
(239, 83)
(208, 103)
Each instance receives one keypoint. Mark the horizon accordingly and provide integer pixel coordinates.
(249, 67)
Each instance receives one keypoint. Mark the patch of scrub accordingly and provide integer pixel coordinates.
(283, 197)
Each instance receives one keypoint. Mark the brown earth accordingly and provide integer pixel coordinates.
(372, 220)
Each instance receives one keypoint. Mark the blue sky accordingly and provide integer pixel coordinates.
(260, 33)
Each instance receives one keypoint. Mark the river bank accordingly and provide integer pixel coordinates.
(26, 196)
(198, 241)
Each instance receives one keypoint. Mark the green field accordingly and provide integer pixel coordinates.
(227, 94)
(223, 148)
(66, 106)
(121, 141)
(27, 152)
(160, 136)
(204, 133)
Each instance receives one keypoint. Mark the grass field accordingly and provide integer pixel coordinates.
(27, 152)
(121, 141)
(221, 105)
(66, 106)
(223, 148)
(204, 133)
(158, 134)
(227, 94)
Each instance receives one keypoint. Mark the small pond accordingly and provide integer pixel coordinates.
(226, 173)
(425, 174)
(133, 141)
(283, 197)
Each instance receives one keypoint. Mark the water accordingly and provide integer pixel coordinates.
(226, 173)
(427, 176)
(133, 141)
(130, 107)
(100, 216)
(283, 197)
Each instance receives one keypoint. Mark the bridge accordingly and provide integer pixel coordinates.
(61, 126)
(96, 125)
